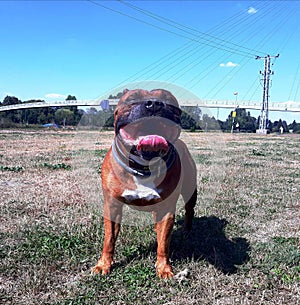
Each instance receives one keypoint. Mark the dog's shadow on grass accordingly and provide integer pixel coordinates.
(208, 241)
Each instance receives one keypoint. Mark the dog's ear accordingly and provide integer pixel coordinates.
(124, 95)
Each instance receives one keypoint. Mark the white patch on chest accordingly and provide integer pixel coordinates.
(145, 189)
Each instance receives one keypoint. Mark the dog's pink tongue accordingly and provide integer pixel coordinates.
(152, 143)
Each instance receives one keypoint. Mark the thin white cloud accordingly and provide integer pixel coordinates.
(55, 96)
(252, 10)
(229, 64)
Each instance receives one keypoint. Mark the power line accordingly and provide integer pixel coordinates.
(255, 82)
(293, 84)
(296, 92)
(212, 66)
(196, 38)
(196, 62)
(226, 80)
(188, 29)
(187, 53)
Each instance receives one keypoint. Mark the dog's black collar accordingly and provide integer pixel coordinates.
(143, 170)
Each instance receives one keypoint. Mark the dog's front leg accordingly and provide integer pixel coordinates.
(112, 224)
(110, 236)
(163, 230)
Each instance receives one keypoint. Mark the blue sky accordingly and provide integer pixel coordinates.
(50, 49)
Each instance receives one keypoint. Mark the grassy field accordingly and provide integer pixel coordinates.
(244, 248)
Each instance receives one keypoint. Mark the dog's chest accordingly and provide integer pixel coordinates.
(145, 189)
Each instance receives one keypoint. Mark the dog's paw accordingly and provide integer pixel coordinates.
(164, 270)
(103, 267)
(100, 270)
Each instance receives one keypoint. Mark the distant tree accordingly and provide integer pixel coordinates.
(11, 100)
(90, 117)
(76, 114)
(243, 120)
(295, 127)
(187, 122)
(71, 98)
(285, 126)
(209, 123)
(117, 96)
(277, 124)
(63, 116)
(274, 127)
(13, 116)
(38, 115)
(110, 121)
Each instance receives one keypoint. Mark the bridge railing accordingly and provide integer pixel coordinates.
(230, 104)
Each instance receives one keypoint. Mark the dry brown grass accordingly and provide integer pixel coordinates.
(244, 249)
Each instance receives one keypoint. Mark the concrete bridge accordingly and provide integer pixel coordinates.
(229, 104)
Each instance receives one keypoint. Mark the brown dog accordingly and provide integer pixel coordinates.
(147, 167)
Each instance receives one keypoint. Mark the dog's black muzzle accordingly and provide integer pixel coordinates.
(156, 108)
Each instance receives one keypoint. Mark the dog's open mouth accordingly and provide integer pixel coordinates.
(150, 137)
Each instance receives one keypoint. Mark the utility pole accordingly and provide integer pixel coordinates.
(264, 117)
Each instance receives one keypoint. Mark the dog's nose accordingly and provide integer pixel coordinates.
(153, 105)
